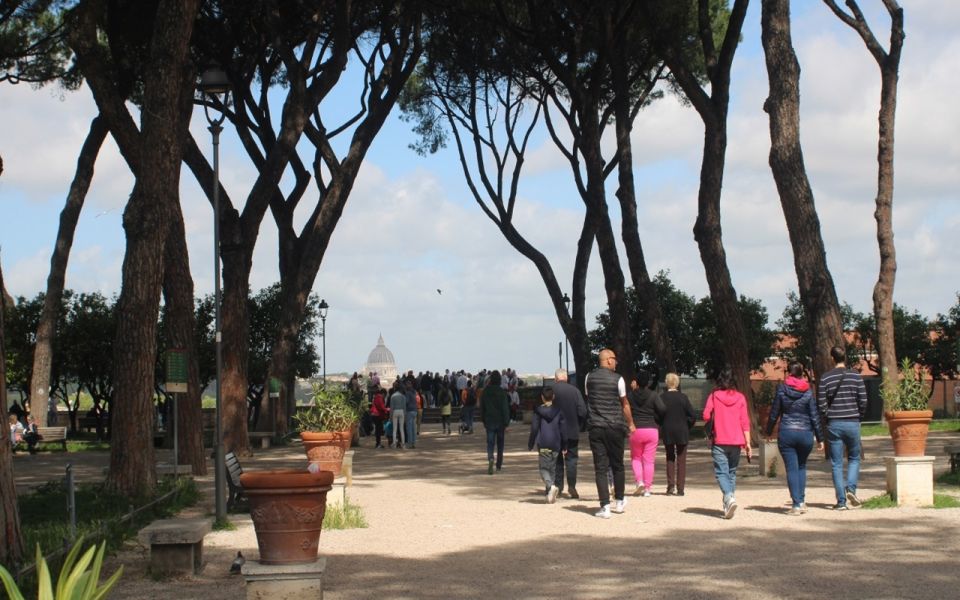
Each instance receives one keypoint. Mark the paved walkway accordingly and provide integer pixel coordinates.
(440, 527)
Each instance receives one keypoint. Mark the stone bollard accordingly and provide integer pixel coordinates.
(910, 480)
(770, 460)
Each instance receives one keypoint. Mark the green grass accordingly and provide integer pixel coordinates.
(344, 516)
(223, 525)
(945, 501)
(881, 501)
(938, 425)
(46, 521)
(948, 478)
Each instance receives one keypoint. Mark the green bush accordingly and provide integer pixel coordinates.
(910, 392)
(332, 409)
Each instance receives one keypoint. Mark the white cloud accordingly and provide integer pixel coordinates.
(412, 227)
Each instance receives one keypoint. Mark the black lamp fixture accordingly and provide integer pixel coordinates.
(215, 85)
(324, 307)
(566, 340)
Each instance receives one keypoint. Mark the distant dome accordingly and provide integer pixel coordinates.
(381, 362)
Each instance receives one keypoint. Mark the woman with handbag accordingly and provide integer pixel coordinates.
(796, 408)
(726, 409)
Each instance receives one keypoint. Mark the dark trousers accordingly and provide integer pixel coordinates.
(568, 463)
(607, 447)
(378, 429)
(495, 437)
(676, 466)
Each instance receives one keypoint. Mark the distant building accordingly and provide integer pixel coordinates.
(382, 363)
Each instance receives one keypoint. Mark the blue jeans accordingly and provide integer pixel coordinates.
(467, 415)
(568, 463)
(725, 461)
(795, 446)
(548, 467)
(410, 424)
(840, 435)
(495, 436)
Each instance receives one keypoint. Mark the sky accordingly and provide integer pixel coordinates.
(415, 260)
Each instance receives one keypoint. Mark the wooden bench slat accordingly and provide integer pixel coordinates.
(234, 470)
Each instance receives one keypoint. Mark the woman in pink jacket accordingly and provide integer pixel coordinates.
(731, 432)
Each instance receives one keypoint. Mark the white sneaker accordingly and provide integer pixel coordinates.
(620, 506)
(604, 513)
(730, 508)
(646, 493)
(552, 494)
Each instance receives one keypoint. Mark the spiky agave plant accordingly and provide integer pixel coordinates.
(76, 581)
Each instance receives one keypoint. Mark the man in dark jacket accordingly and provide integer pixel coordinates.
(569, 400)
(608, 422)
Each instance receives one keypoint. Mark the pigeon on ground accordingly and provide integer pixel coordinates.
(237, 563)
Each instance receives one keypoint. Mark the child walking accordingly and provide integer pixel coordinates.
(547, 434)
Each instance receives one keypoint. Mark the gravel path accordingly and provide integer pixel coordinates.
(440, 527)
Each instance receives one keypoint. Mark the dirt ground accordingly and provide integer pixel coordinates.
(440, 527)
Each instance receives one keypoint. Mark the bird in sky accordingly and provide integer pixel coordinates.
(439, 292)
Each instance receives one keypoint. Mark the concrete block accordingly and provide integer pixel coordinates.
(347, 469)
(168, 469)
(284, 582)
(770, 457)
(176, 545)
(338, 491)
(910, 480)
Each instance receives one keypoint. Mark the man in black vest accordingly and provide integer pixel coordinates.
(608, 423)
(570, 401)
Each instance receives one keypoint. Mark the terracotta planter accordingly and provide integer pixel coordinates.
(909, 428)
(326, 449)
(287, 508)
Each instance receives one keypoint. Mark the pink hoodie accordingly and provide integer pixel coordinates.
(730, 408)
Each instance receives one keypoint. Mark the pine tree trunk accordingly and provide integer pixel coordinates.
(646, 291)
(146, 221)
(181, 329)
(817, 291)
(46, 330)
(11, 549)
(236, 350)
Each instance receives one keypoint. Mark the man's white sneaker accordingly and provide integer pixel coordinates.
(552, 494)
(604, 513)
(729, 509)
(620, 506)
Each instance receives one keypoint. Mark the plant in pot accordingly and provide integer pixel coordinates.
(326, 426)
(905, 410)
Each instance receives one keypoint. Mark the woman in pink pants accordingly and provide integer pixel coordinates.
(647, 409)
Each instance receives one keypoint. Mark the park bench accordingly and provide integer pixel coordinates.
(53, 435)
(176, 545)
(234, 471)
(263, 437)
(954, 453)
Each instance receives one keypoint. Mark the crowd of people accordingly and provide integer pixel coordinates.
(644, 418)
(616, 416)
(396, 413)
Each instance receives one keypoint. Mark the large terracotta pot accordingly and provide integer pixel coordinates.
(326, 449)
(909, 428)
(287, 508)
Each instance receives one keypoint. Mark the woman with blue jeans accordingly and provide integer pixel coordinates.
(731, 433)
(796, 408)
(495, 414)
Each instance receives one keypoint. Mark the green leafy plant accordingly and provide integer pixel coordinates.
(910, 392)
(76, 581)
(344, 516)
(332, 409)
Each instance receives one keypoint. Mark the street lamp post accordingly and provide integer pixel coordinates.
(566, 340)
(214, 83)
(323, 334)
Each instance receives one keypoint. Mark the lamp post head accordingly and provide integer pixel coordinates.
(215, 84)
(323, 309)
(214, 81)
